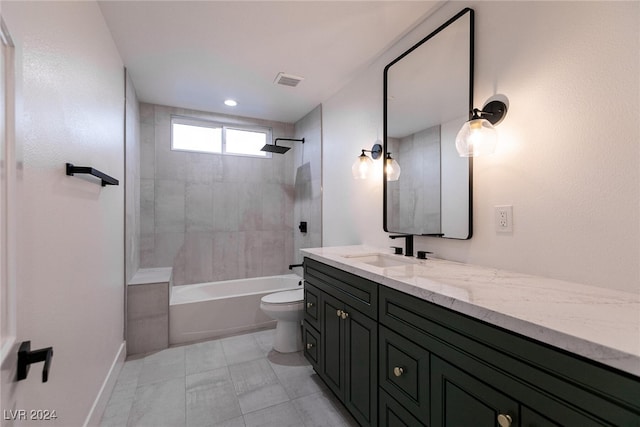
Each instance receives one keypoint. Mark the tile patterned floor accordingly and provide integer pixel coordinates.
(233, 382)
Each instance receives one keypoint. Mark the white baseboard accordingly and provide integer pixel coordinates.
(99, 405)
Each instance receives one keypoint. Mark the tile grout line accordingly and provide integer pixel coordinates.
(262, 343)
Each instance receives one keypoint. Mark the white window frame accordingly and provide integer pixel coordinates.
(192, 121)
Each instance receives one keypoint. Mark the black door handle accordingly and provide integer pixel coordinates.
(26, 357)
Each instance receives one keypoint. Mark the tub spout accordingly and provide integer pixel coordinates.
(291, 266)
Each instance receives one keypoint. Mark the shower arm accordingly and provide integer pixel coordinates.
(275, 142)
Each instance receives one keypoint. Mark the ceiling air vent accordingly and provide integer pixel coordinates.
(288, 79)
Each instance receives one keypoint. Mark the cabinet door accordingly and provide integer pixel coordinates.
(361, 365)
(332, 344)
(392, 414)
(459, 399)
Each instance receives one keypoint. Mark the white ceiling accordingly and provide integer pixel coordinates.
(197, 54)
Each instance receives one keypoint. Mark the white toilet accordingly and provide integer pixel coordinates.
(287, 308)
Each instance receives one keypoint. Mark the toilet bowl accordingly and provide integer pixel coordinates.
(287, 308)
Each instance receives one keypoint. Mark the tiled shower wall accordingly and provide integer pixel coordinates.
(308, 182)
(415, 199)
(132, 181)
(213, 217)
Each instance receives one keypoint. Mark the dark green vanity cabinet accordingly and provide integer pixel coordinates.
(397, 360)
(481, 375)
(341, 336)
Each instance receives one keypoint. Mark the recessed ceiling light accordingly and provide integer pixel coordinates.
(230, 103)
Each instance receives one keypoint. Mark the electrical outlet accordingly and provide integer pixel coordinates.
(504, 218)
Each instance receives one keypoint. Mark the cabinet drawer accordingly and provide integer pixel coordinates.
(311, 345)
(404, 372)
(392, 414)
(311, 301)
(359, 293)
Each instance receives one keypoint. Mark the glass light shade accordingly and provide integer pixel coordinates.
(476, 138)
(391, 168)
(361, 167)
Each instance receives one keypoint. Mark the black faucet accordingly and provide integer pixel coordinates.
(408, 246)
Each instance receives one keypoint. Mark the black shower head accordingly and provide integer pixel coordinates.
(275, 149)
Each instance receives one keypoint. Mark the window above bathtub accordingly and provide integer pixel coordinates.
(204, 136)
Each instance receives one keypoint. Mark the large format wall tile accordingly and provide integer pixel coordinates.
(250, 207)
(199, 207)
(225, 206)
(169, 206)
(217, 217)
(147, 206)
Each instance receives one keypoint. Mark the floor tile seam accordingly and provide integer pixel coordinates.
(300, 414)
(131, 388)
(248, 361)
(120, 387)
(233, 385)
(289, 401)
(286, 390)
(129, 415)
(266, 407)
(310, 393)
(136, 396)
(184, 391)
(123, 381)
(298, 410)
(255, 341)
(245, 361)
(207, 367)
(174, 377)
(190, 374)
(224, 353)
(117, 414)
(127, 402)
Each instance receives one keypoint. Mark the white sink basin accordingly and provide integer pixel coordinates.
(381, 260)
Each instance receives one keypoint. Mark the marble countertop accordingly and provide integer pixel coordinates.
(597, 323)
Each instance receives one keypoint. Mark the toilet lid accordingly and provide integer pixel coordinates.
(286, 297)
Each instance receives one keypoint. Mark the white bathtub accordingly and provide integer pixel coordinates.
(208, 310)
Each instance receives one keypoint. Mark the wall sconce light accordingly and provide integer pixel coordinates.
(478, 137)
(363, 163)
(391, 168)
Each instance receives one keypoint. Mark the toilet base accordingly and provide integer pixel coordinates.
(288, 337)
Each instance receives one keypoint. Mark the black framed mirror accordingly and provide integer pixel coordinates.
(428, 95)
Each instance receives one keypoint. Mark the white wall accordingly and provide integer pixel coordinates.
(568, 162)
(71, 230)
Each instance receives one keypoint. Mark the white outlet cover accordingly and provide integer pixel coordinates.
(504, 218)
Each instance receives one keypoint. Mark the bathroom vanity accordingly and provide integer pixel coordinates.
(438, 343)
